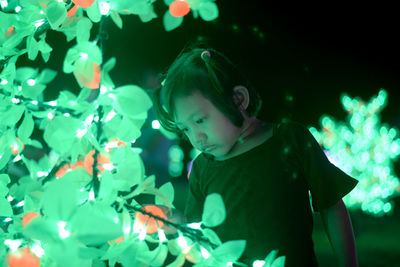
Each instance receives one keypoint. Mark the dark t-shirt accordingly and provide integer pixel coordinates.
(266, 193)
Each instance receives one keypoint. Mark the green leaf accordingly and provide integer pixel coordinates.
(60, 199)
(5, 208)
(131, 100)
(214, 210)
(26, 128)
(56, 14)
(22, 74)
(93, 12)
(168, 190)
(116, 18)
(208, 11)
(83, 30)
(212, 236)
(229, 251)
(45, 49)
(41, 229)
(279, 262)
(11, 115)
(130, 171)
(32, 92)
(170, 22)
(60, 133)
(95, 223)
(46, 76)
(32, 46)
(154, 257)
(4, 179)
(107, 193)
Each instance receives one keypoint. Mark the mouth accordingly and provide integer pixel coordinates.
(207, 149)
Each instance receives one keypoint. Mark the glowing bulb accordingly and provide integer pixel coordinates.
(161, 235)
(17, 9)
(31, 82)
(13, 244)
(8, 219)
(91, 195)
(39, 22)
(84, 56)
(37, 249)
(15, 100)
(80, 133)
(195, 225)
(52, 103)
(35, 102)
(20, 204)
(3, 82)
(61, 230)
(50, 116)
(205, 253)
(67, 115)
(110, 115)
(155, 124)
(10, 198)
(258, 263)
(104, 8)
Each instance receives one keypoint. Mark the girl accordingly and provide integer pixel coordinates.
(263, 171)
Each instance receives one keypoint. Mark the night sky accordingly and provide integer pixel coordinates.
(310, 52)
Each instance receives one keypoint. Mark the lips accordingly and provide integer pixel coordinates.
(208, 148)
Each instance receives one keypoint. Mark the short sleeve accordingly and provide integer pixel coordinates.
(195, 199)
(327, 183)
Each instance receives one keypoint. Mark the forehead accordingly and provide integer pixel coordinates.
(186, 107)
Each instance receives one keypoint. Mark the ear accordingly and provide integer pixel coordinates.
(241, 97)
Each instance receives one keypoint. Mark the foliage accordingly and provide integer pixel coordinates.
(76, 206)
(365, 149)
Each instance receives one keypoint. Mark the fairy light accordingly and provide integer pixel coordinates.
(52, 103)
(205, 253)
(84, 56)
(41, 174)
(3, 4)
(10, 198)
(62, 232)
(91, 195)
(258, 263)
(17, 158)
(110, 115)
(67, 115)
(17, 9)
(31, 82)
(37, 249)
(182, 242)
(195, 226)
(81, 133)
(4, 81)
(8, 219)
(365, 150)
(104, 8)
(155, 124)
(13, 244)
(50, 116)
(15, 100)
(161, 236)
(35, 102)
(20, 204)
(39, 22)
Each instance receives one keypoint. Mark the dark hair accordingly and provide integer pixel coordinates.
(213, 75)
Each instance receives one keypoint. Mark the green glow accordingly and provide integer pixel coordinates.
(366, 150)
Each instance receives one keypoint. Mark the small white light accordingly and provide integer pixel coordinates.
(3, 82)
(4, 4)
(41, 12)
(13, 244)
(35, 102)
(19, 88)
(61, 230)
(258, 263)
(10, 198)
(15, 100)
(104, 8)
(110, 115)
(67, 115)
(17, 158)
(182, 242)
(89, 119)
(229, 264)
(195, 225)
(21, 203)
(50, 116)
(91, 195)
(205, 253)
(17, 9)
(31, 82)
(96, 119)
(8, 219)
(42, 174)
(81, 132)
(108, 166)
(142, 234)
(84, 55)
(53, 103)
(103, 89)
(161, 236)
(155, 124)
(37, 249)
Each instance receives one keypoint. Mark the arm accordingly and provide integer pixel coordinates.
(338, 227)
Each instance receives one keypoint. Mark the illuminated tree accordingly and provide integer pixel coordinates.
(365, 149)
(76, 205)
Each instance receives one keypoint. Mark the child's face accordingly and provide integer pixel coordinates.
(208, 129)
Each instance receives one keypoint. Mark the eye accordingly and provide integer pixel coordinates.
(199, 121)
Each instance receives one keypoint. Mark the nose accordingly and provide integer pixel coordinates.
(199, 137)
